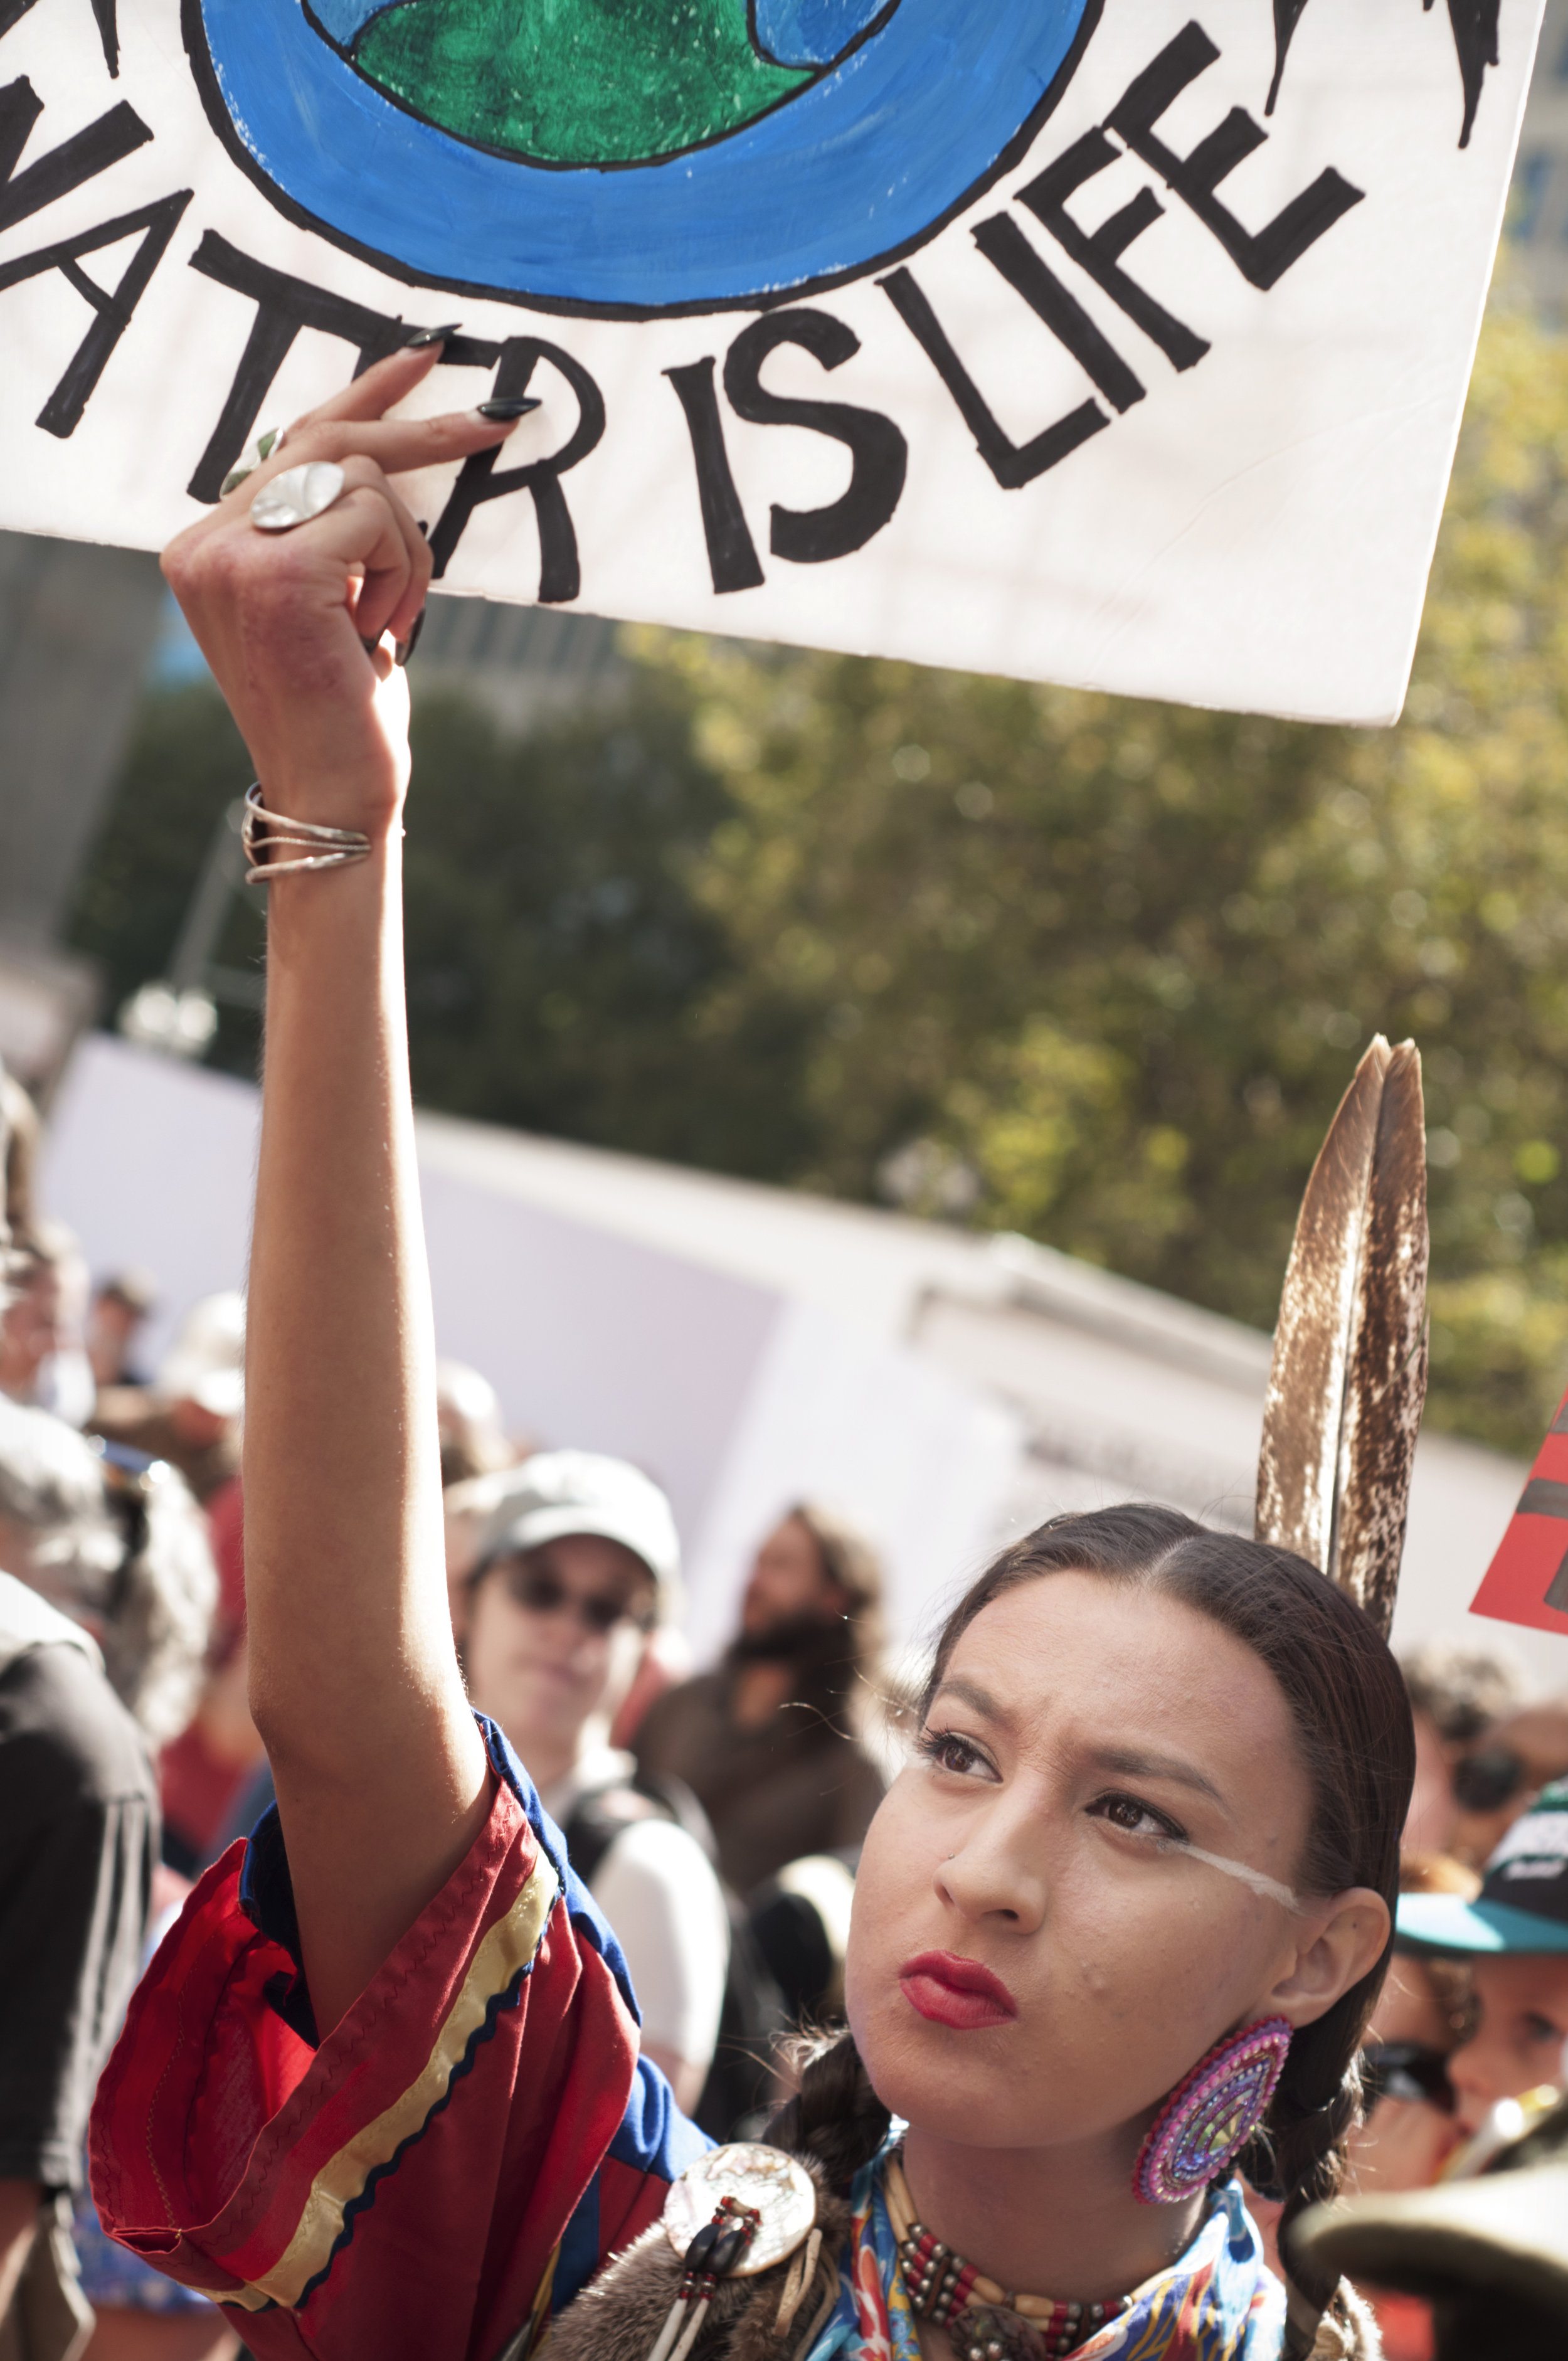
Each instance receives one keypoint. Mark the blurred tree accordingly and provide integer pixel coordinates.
(1099, 970)
(1026, 957)
(557, 961)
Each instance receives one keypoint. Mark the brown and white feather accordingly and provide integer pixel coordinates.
(1348, 1379)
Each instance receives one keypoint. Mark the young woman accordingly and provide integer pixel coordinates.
(380, 2093)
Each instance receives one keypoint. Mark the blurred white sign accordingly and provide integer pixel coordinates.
(1086, 340)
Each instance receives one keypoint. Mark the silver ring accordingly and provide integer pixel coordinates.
(263, 448)
(296, 496)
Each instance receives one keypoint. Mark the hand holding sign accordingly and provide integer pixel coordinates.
(285, 620)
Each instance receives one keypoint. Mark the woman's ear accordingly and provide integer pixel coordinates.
(1340, 1940)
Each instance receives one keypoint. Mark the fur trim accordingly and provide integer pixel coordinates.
(1348, 2330)
(618, 2315)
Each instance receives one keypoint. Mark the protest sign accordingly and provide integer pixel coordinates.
(1092, 341)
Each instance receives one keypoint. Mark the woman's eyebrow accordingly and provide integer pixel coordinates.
(969, 1693)
(1132, 1762)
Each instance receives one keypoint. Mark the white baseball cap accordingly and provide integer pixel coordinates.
(556, 1493)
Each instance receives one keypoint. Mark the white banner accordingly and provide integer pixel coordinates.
(1091, 341)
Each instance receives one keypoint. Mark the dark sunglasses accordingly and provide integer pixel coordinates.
(1408, 2070)
(1487, 1779)
(544, 1593)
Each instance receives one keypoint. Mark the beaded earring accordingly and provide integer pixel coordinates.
(1211, 2113)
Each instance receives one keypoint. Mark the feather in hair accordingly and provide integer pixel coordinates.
(1349, 1375)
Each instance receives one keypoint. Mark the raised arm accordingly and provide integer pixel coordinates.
(381, 1779)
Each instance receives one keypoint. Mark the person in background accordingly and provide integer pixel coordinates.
(1457, 1691)
(1514, 1936)
(576, 1568)
(770, 1743)
(1507, 1766)
(192, 1417)
(1410, 2126)
(469, 1420)
(120, 1308)
(117, 1545)
(42, 1363)
(79, 1837)
(192, 1413)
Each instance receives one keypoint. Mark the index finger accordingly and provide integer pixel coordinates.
(382, 385)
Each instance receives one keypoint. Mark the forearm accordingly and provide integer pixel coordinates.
(352, 1668)
(381, 1779)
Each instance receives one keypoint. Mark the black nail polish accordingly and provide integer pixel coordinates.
(508, 405)
(406, 647)
(424, 336)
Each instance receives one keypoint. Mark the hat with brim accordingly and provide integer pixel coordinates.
(1523, 1903)
(1507, 2232)
(560, 1494)
(1444, 1922)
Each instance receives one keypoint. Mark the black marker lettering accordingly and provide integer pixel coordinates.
(731, 553)
(1100, 253)
(105, 12)
(1004, 245)
(283, 306)
(62, 412)
(879, 454)
(1263, 257)
(560, 574)
(1012, 463)
(81, 158)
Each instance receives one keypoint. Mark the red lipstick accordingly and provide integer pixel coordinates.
(960, 1992)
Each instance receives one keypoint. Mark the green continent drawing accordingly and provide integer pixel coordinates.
(575, 82)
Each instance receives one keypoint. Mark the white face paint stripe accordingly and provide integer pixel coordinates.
(1269, 1887)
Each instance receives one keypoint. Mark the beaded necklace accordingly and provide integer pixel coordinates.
(987, 2322)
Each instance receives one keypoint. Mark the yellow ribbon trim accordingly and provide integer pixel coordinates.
(509, 1944)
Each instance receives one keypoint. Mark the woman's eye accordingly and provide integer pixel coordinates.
(947, 1752)
(1137, 1819)
(1541, 2028)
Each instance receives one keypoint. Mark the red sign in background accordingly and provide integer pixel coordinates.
(1526, 1581)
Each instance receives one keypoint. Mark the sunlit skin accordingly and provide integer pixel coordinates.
(1519, 2042)
(1083, 1729)
(1403, 2142)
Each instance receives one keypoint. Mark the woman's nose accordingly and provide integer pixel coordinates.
(998, 1868)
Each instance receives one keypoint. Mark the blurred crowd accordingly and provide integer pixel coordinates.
(716, 1817)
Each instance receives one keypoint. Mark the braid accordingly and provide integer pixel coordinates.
(835, 2115)
(1301, 2151)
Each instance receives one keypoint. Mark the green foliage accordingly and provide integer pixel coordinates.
(1050, 961)
(558, 965)
(185, 765)
(1116, 962)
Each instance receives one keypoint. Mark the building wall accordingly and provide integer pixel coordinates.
(1538, 212)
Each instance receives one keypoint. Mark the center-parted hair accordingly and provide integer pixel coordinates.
(1353, 1736)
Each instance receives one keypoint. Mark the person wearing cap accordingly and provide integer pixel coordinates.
(576, 1567)
(1515, 1933)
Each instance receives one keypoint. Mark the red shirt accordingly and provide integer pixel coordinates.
(461, 2153)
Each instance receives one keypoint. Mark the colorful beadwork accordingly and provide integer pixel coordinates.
(1211, 2113)
(980, 2317)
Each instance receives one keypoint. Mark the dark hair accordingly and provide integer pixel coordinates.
(1351, 1719)
(849, 1559)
